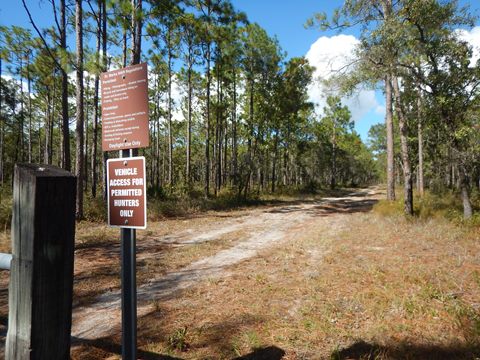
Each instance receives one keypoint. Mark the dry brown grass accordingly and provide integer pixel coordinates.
(344, 286)
(383, 287)
(97, 254)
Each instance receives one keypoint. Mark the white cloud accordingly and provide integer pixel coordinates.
(16, 82)
(360, 103)
(380, 110)
(331, 56)
(178, 93)
(473, 38)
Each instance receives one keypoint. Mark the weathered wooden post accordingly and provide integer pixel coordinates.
(41, 279)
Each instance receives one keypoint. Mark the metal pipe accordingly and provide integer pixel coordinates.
(5, 260)
(129, 286)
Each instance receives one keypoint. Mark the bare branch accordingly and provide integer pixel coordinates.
(95, 15)
(55, 15)
(41, 36)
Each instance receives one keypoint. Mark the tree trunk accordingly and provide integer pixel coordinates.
(218, 133)
(47, 126)
(189, 119)
(225, 148)
(29, 85)
(274, 162)
(2, 128)
(17, 142)
(333, 174)
(105, 68)
(407, 172)
(137, 32)
(234, 129)
(164, 161)
(250, 137)
(157, 142)
(93, 160)
(79, 115)
(465, 192)
(66, 161)
(85, 145)
(390, 140)
(285, 160)
(420, 148)
(21, 147)
(95, 136)
(52, 123)
(207, 125)
(169, 111)
(124, 47)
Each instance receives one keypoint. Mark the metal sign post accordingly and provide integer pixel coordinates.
(129, 287)
(129, 294)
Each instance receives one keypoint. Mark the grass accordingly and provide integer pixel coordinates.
(347, 286)
(185, 205)
(376, 288)
(178, 340)
(446, 205)
(98, 252)
(417, 286)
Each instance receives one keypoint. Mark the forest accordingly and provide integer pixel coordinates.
(279, 227)
(230, 113)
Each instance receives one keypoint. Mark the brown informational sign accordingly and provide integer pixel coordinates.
(127, 200)
(125, 108)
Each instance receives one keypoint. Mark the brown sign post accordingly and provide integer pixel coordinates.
(127, 200)
(125, 108)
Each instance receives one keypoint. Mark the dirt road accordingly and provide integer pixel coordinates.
(250, 232)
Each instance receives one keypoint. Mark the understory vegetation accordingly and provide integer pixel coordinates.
(359, 286)
(444, 205)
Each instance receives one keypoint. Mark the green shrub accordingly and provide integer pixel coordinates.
(389, 208)
(95, 209)
(178, 340)
(6, 199)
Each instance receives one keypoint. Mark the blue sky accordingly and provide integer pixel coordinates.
(285, 19)
(281, 18)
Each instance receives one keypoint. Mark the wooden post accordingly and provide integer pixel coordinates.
(41, 279)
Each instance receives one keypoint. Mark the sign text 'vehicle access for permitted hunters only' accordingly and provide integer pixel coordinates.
(127, 202)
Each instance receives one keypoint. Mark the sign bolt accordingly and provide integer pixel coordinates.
(126, 222)
(125, 163)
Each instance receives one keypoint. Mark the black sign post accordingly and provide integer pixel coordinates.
(128, 238)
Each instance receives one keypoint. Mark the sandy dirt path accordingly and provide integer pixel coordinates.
(259, 229)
